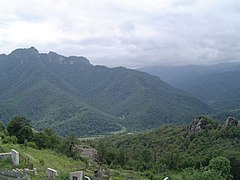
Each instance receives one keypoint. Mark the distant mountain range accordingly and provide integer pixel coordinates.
(71, 96)
(218, 85)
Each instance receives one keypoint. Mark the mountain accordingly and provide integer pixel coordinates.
(207, 83)
(70, 95)
(29, 88)
(229, 101)
(211, 86)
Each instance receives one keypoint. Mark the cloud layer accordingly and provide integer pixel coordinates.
(125, 33)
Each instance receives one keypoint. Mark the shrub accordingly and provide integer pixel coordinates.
(221, 165)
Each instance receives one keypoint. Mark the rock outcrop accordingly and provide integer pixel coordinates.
(231, 121)
(199, 124)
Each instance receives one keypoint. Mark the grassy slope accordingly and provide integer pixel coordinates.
(43, 159)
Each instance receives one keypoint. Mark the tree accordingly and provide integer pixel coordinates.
(46, 139)
(235, 165)
(221, 165)
(16, 124)
(25, 133)
(102, 150)
(40, 138)
(69, 147)
(21, 128)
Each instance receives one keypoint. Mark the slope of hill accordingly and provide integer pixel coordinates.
(72, 96)
(204, 82)
(212, 86)
(173, 148)
(43, 159)
(30, 89)
(141, 101)
(229, 101)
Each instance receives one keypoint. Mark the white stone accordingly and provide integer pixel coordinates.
(15, 157)
(51, 173)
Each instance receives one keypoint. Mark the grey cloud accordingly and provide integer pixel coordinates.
(131, 33)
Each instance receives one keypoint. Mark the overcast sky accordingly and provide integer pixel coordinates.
(130, 33)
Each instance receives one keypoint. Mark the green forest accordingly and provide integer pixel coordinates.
(205, 149)
(70, 95)
(176, 149)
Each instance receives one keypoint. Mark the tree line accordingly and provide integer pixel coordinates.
(19, 130)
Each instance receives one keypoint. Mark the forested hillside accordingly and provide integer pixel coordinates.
(174, 148)
(56, 91)
(217, 85)
(205, 149)
(204, 82)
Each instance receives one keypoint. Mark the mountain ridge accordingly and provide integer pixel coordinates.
(204, 82)
(113, 96)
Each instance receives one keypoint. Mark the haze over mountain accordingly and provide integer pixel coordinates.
(70, 95)
(218, 85)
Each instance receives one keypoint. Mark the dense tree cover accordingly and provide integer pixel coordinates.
(48, 107)
(223, 115)
(21, 128)
(209, 83)
(212, 153)
(56, 91)
(229, 101)
(46, 139)
(174, 148)
(20, 131)
(221, 165)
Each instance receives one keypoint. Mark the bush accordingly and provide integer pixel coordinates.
(10, 140)
(32, 145)
(221, 165)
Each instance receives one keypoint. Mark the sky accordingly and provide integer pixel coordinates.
(130, 33)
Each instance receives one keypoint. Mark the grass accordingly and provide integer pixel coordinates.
(43, 159)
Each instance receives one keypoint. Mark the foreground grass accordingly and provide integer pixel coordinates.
(43, 159)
